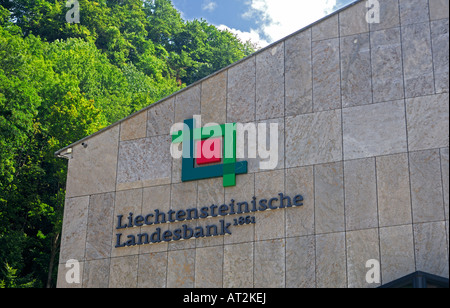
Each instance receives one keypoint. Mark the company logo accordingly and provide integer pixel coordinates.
(209, 152)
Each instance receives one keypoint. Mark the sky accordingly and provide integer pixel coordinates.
(261, 21)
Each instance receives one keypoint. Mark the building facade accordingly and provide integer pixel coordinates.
(358, 193)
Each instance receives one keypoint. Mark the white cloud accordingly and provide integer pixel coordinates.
(253, 36)
(209, 5)
(279, 18)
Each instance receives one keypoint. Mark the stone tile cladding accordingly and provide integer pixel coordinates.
(363, 112)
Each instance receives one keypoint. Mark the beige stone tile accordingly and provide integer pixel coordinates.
(360, 194)
(397, 252)
(298, 74)
(152, 270)
(134, 128)
(353, 20)
(439, 9)
(320, 140)
(73, 240)
(214, 99)
(445, 179)
(144, 162)
(242, 192)
(124, 272)
(208, 275)
(356, 72)
(426, 186)
(238, 266)
(413, 11)
(129, 201)
(270, 83)
(188, 104)
(241, 96)
(89, 175)
(329, 198)
(270, 266)
(394, 196)
(389, 15)
(431, 250)
(96, 274)
(326, 29)
(300, 220)
(362, 246)
(331, 269)
(374, 130)
(326, 75)
(100, 222)
(387, 65)
(417, 59)
(181, 269)
(428, 122)
(63, 271)
(300, 262)
(270, 224)
(161, 118)
(440, 41)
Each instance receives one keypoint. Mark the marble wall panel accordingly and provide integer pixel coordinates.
(356, 70)
(144, 162)
(214, 99)
(326, 75)
(331, 264)
(188, 104)
(439, 9)
(329, 198)
(298, 74)
(326, 29)
(393, 185)
(207, 275)
(426, 186)
(317, 136)
(428, 122)
(445, 179)
(300, 220)
(300, 262)
(417, 59)
(440, 40)
(389, 15)
(181, 269)
(152, 270)
(96, 274)
(431, 248)
(270, 266)
(100, 222)
(413, 11)
(397, 252)
(387, 65)
(362, 246)
(160, 118)
(73, 240)
(124, 272)
(134, 128)
(353, 20)
(238, 265)
(360, 194)
(241, 95)
(374, 130)
(89, 175)
(270, 83)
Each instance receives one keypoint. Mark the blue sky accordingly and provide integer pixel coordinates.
(261, 21)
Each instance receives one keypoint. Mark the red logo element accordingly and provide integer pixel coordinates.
(209, 151)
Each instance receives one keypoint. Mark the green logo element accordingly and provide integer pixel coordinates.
(228, 168)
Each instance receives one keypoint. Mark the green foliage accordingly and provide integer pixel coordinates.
(60, 82)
